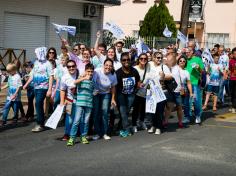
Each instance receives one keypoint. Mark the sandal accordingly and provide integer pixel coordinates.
(204, 107)
(214, 108)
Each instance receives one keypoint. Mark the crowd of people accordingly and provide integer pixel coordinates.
(98, 85)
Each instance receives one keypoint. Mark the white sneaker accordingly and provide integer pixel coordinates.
(151, 130)
(143, 125)
(37, 128)
(233, 110)
(198, 120)
(135, 130)
(230, 109)
(106, 137)
(96, 137)
(158, 131)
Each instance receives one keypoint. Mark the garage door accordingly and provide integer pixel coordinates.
(24, 31)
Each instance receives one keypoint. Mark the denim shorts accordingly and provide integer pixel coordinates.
(174, 97)
(213, 89)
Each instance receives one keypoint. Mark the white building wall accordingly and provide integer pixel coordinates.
(218, 17)
(56, 11)
(221, 18)
(129, 14)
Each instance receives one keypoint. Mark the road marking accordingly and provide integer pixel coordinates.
(222, 126)
(228, 117)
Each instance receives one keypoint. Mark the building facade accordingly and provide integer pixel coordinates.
(210, 21)
(26, 24)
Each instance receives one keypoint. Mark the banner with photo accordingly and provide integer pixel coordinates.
(114, 29)
(70, 29)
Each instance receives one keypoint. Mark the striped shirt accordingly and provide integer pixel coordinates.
(85, 93)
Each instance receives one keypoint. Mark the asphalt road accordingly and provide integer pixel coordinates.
(209, 149)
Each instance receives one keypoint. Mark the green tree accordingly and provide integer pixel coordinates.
(155, 21)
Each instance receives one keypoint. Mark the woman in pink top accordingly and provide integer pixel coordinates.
(232, 81)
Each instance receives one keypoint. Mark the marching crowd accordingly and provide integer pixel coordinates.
(98, 85)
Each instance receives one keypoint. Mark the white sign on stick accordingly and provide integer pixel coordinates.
(154, 95)
(41, 53)
(114, 29)
(150, 102)
(54, 119)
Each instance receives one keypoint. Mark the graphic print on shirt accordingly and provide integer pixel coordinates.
(128, 85)
(41, 74)
(215, 74)
(14, 82)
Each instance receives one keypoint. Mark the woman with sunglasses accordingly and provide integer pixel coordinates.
(105, 82)
(51, 54)
(52, 57)
(82, 59)
(128, 81)
(143, 68)
(159, 73)
(67, 95)
(186, 87)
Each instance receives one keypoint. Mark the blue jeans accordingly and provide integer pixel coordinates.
(102, 104)
(70, 115)
(223, 84)
(40, 95)
(56, 99)
(82, 115)
(196, 101)
(6, 109)
(30, 97)
(125, 102)
(186, 107)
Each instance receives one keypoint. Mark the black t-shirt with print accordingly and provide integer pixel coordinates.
(127, 83)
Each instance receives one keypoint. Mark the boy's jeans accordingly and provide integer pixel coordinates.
(6, 109)
(40, 95)
(81, 118)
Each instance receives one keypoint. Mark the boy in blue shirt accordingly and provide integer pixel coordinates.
(84, 104)
(215, 71)
(14, 86)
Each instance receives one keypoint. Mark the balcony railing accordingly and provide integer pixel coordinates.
(111, 2)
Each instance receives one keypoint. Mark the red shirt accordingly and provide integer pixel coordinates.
(232, 68)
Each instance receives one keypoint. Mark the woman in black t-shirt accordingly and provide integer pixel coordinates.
(128, 80)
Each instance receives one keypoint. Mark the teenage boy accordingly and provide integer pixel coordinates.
(215, 72)
(84, 105)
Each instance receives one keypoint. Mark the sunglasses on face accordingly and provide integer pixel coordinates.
(158, 57)
(51, 52)
(143, 58)
(126, 60)
(82, 48)
(75, 49)
(182, 61)
(70, 66)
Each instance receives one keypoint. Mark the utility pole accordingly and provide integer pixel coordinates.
(185, 17)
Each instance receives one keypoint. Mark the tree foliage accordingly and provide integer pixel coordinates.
(155, 21)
